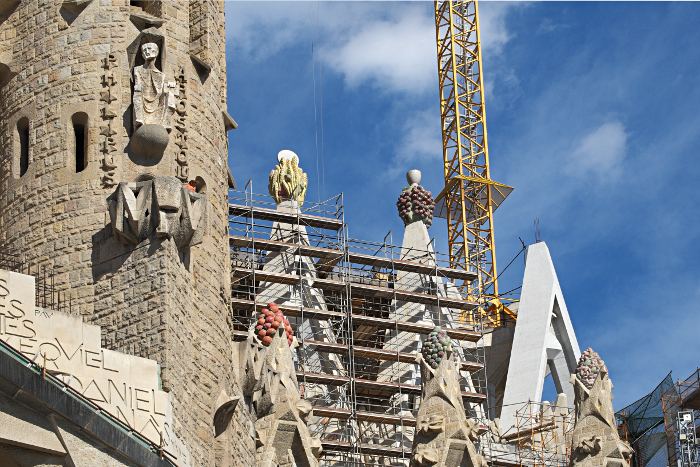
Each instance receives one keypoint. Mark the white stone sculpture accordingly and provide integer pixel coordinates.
(154, 104)
(162, 204)
(154, 101)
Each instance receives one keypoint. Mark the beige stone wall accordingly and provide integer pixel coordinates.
(151, 300)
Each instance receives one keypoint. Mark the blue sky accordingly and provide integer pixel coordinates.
(592, 114)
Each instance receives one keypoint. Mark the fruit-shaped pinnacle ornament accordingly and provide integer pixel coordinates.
(287, 180)
(589, 365)
(415, 203)
(269, 321)
(435, 347)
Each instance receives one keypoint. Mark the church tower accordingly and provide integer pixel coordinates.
(114, 176)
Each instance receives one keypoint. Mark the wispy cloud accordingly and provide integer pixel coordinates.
(420, 145)
(386, 45)
(398, 54)
(600, 153)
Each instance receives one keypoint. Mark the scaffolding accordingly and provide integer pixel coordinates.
(543, 435)
(681, 410)
(359, 309)
(641, 424)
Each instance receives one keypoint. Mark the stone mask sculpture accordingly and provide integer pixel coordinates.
(595, 442)
(162, 205)
(154, 104)
(444, 436)
(287, 180)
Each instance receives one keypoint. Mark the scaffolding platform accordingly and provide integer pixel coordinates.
(313, 313)
(273, 215)
(360, 311)
(370, 388)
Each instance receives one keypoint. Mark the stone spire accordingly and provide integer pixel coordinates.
(444, 435)
(268, 377)
(595, 442)
(415, 203)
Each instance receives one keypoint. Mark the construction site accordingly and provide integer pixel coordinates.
(223, 325)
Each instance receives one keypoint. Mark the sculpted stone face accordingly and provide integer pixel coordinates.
(149, 51)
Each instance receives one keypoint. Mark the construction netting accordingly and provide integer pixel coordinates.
(642, 425)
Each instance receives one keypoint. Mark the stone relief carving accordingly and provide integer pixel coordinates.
(595, 441)
(268, 376)
(162, 204)
(108, 147)
(154, 105)
(288, 181)
(444, 435)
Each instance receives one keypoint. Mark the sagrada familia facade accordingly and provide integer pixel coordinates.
(114, 173)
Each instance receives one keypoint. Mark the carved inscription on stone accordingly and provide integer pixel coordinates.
(109, 94)
(125, 386)
(182, 171)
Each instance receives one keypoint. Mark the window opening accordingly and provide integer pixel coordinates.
(23, 130)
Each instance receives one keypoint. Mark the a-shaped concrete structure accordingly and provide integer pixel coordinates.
(544, 341)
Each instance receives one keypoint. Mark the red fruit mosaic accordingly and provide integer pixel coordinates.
(269, 321)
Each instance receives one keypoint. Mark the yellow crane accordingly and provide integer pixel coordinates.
(470, 196)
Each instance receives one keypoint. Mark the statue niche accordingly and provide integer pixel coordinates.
(154, 104)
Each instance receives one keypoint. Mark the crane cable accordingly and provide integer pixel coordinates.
(322, 172)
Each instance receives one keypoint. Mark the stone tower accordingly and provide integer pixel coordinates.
(108, 110)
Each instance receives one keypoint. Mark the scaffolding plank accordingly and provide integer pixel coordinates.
(413, 297)
(365, 290)
(277, 246)
(370, 449)
(372, 417)
(410, 266)
(357, 258)
(273, 215)
(344, 414)
(375, 388)
(379, 354)
(313, 313)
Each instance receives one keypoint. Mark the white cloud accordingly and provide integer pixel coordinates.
(421, 142)
(260, 30)
(398, 54)
(599, 153)
(387, 45)
(492, 25)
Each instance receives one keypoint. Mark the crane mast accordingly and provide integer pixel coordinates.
(470, 196)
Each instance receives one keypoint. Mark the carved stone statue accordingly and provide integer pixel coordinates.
(268, 376)
(595, 442)
(154, 104)
(287, 180)
(444, 436)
